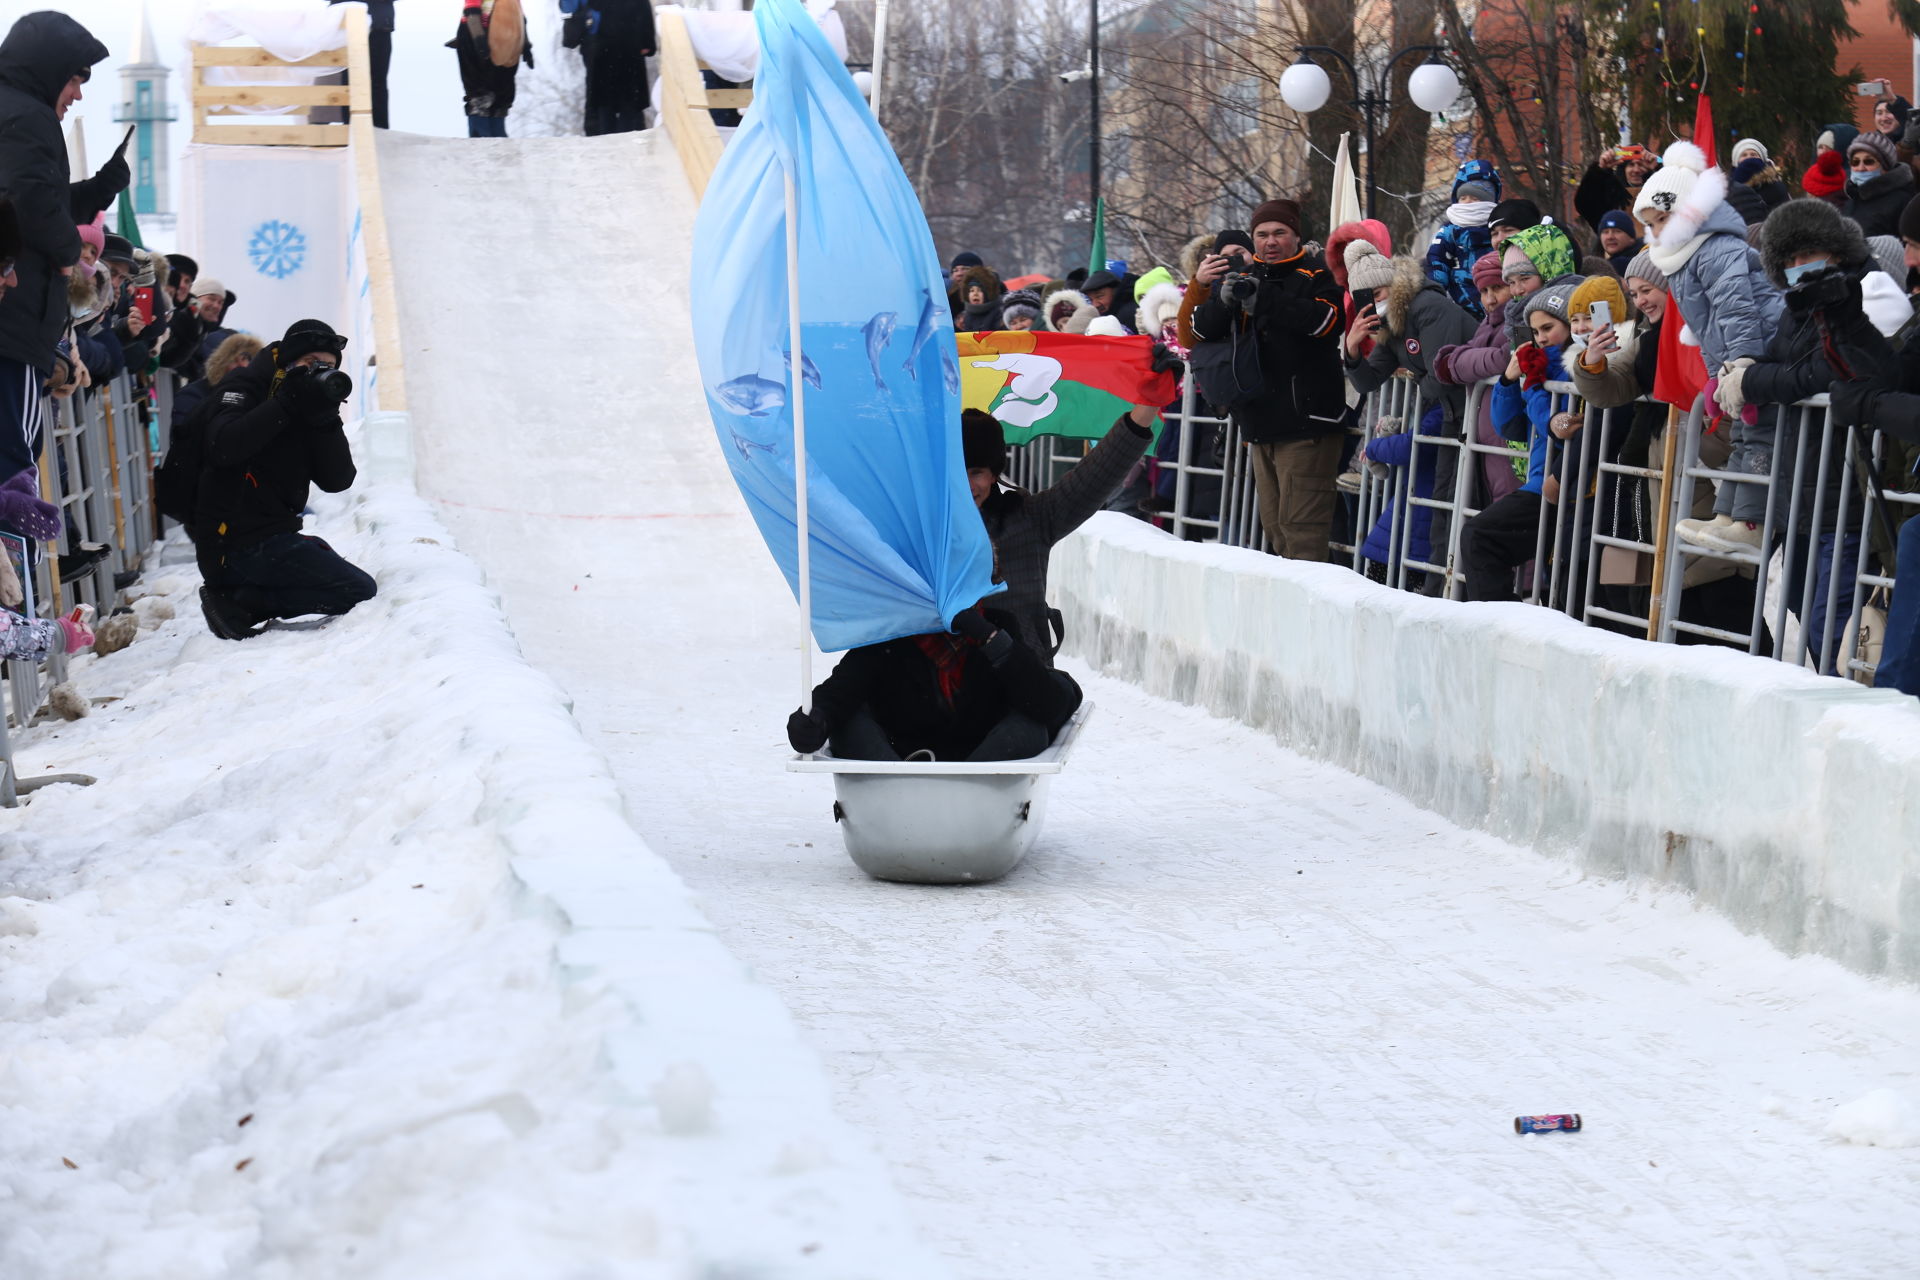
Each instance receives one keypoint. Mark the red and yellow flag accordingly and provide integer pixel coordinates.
(1040, 383)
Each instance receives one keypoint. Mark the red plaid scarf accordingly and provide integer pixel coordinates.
(948, 653)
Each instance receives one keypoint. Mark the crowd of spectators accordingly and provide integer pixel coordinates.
(1680, 279)
(255, 425)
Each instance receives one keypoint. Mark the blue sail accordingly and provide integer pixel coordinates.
(897, 546)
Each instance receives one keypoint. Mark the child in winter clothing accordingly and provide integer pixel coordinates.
(31, 639)
(1465, 239)
(1414, 522)
(1504, 536)
(1732, 309)
(1479, 358)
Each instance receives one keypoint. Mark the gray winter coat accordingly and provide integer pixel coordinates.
(1418, 320)
(1722, 290)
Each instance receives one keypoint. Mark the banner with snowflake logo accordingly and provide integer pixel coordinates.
(272, 224)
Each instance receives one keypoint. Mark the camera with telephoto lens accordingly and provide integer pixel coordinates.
(334, 384)
(327, 384)
(1239, 289)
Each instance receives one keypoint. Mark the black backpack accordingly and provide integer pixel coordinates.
(1227, 370)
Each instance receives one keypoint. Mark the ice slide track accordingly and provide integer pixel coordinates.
(1241, 1014)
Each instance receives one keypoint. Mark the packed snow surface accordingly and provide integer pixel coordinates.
(334, 972)
(1241, 1015)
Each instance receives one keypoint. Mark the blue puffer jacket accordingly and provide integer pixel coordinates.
(1458, 245)
(1722, 290)
(1397, 451)
(1509, 400)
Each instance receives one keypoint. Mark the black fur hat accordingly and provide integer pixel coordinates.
(1810, 226)
(982, 442)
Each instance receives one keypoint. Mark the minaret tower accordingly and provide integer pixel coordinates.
(146, 104)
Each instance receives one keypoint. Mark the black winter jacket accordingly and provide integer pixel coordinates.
(899, 685)
(1876, 203)
(40, 54)
(262, 454)
(1296, 321)
(1754, 203)
(1795, 367)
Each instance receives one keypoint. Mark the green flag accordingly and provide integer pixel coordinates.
(1098, 261)
(129, 226)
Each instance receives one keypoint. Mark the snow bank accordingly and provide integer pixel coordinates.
(1881, 1118)
(351, 964)
(1781, 798)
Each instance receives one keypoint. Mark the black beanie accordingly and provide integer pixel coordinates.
(304, 337)
(1518, 214)
(183, 266)
(965, 258)
(1233, 235)
(982, 442)
(1910, 221)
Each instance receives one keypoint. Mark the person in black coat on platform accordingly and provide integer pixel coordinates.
(273, 434)
(975, 693)
(615, 39)
(45, 60)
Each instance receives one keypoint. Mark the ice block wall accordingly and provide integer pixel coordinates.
(1783, 799)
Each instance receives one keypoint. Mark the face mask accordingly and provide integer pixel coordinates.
(1577, 343)
(1794, 273)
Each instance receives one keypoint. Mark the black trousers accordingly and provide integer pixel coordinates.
(1497, 541)
(286, 576)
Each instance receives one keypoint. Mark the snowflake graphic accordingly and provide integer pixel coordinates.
(278, 249)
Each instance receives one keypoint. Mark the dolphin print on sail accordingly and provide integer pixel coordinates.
(896, 546)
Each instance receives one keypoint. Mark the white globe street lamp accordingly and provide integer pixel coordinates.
(1305, 87)
(1433, 86)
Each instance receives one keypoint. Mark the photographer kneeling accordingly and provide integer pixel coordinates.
(275, 430)
(1267, 349)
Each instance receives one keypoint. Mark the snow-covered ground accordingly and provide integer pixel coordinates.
(1241, 1015)
(334, 972)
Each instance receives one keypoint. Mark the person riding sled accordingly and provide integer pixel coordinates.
(974, 693)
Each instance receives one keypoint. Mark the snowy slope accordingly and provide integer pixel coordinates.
(1243, 1015)
(334, 973)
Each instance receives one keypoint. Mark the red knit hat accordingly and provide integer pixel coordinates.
(1828, 175)
(1486, 271)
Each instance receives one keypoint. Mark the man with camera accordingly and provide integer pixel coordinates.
(274, 431)
(1268, 351)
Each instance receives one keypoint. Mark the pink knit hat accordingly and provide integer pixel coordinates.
(1486, 271)
(94, 233)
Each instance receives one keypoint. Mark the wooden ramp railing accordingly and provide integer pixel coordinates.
(216, 106)
(685, 101)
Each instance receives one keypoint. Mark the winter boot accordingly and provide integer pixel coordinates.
(225, 616)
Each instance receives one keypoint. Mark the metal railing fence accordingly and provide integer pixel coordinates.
(1831, 514)
(100, 447)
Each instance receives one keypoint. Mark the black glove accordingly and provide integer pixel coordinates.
(305, 399)
(1164, 359)
(1853, 400)
(1829, 290)
(573, 31)
(806, 732)
(114, 175)
(994, 643)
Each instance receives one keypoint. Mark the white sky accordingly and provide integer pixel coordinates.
(423, 86)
